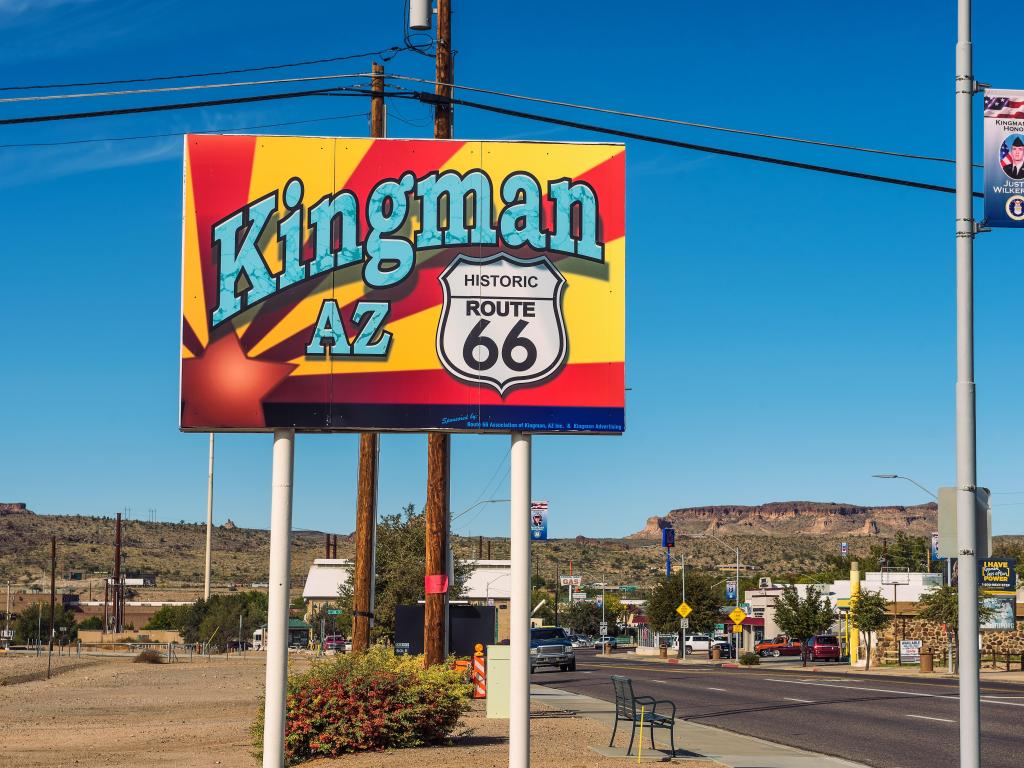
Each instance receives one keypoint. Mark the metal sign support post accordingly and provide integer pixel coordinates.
(966, 465)
(277, 603)
(519, 699)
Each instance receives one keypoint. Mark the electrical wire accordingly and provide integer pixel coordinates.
(433, 98)
(385, 53)
(687, 123)
(180, 88)
(337, 91)
(182, 133)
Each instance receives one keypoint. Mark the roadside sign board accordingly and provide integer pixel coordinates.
(683, 609)
(997, 575)
(737, 615)
(737, 628)
(668, 537)
(684, 623)
(574, 581)
(347, 284)
(334, 611)
(947, 523)
(1004, 158)
(1002, 609)
(604, 627)
(539, 520)
(910, 651)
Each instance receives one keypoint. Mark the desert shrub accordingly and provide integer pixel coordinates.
(368, 702)
(749, 659)
(148, 656)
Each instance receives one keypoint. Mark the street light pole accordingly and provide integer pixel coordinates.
(727, 546)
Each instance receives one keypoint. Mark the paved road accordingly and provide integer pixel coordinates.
(881, 721)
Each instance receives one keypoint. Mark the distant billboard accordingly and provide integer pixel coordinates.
(350, 284)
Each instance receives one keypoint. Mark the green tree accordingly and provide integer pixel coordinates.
(93, 622)
(911, 552)
(215, 620)
(802, 618)
(869, 612)
(401, 542)
(584, 618)
(701, 596)
(940, 605)
(36, 616)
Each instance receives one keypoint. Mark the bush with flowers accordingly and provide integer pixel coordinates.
(357, 702)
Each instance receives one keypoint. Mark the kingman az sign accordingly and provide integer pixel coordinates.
(348, 284)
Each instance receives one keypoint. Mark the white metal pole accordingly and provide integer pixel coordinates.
(277, 603)
(966, 466)
(682, 573)
(519, 698)
(209, 523)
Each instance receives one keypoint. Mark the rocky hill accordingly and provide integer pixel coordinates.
(793, 518)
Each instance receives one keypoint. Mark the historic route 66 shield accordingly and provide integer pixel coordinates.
(501, 323)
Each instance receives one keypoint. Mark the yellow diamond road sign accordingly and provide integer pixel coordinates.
(738, 615)
(684, 610)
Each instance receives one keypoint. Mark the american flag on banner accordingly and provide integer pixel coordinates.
(1005, 107)
(538, 506)
(1004, 155)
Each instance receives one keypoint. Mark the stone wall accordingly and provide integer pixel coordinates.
(886, 645)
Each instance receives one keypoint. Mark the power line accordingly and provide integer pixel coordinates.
(687, 123)
(179, 133)
(385, 53)
(180, 88)
(431, 98)
(336, 91)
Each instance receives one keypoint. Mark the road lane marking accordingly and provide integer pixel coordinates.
(925, 717)
(802, 701)
(717, 689)
(986, 699)
(659, 681)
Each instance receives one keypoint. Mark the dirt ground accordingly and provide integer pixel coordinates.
(110, 713)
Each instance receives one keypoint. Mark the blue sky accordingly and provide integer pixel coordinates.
(789, 335)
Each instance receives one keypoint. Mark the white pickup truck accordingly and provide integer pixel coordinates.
(704, 643)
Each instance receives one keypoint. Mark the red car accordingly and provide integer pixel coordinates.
(779, 646)
(824, 648)
(336, 643)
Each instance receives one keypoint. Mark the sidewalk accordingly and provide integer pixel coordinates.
(907, 671)
(692, 740)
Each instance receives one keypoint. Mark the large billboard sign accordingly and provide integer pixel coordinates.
(383, 284)
(1004, 158)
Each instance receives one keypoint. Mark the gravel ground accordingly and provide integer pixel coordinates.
(110, 713)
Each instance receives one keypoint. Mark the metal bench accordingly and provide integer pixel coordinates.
(627, 708)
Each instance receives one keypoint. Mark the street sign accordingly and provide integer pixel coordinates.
(737, 615)
(737, 628)
(628, 588)
(604, 627)
(683, 609)
(684, 623)
(334, 611)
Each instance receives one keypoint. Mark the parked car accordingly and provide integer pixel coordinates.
(704, 643)
(608, 640)
(824, 648)
(582, 641)
(782, 645)
(551, 647)
(336, 643)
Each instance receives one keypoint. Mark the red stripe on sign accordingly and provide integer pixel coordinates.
(220, 169)
(598, 385)
(609, 182)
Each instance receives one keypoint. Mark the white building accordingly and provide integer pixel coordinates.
(324, 581)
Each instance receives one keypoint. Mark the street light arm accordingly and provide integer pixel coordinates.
(471, 507)
(908, 479)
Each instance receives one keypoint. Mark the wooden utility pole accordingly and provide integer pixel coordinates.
(117, 574)
(369, 443)
(435, 614)
(53, 598)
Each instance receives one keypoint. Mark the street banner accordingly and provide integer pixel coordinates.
(935, 545)
(539, 520)
(668, 537)
(844, 549)
(333, 284)
(997, 575)
(1004, 158)
(910, 651)
(730, 590)
(1002, 609)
